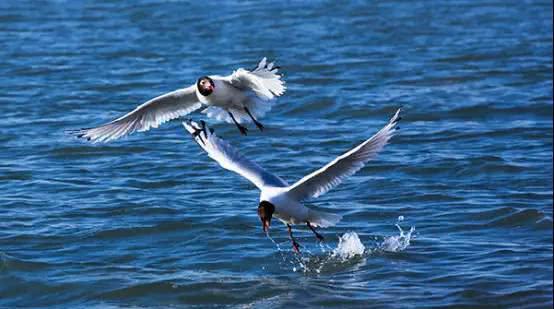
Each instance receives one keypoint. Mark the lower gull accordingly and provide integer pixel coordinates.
(278, 198)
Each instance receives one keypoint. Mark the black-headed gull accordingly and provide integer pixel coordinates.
(277, 197)
(240, 97)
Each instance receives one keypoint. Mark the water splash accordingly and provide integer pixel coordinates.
(349, 251)
(349, 246)
(397, 243)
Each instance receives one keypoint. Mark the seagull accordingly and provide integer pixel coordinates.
(237, 98)
(278, 198)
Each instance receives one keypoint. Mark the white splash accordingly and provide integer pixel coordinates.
(397, 243)
(349, 251)
(349, 246)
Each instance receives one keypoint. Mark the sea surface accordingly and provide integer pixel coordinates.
(455, 212)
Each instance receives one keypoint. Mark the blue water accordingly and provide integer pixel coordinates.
(151, 221)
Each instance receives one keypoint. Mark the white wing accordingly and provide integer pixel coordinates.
(148, 115)
(229, 158)
(332, 174)
(263, 80)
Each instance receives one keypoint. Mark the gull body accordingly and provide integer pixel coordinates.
(278, 198)
(238, 98)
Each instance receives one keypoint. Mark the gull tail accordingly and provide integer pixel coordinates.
(323, 219)
(269, 77)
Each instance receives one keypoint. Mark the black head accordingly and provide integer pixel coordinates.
(205, 85)
(265, 212)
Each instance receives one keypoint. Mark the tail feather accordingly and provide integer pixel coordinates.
(323, 219)
(271, 80)
(264, 80)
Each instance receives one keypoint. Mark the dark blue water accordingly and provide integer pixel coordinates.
(151, 221)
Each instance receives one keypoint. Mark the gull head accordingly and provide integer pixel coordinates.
(265, 212)
(205, 85)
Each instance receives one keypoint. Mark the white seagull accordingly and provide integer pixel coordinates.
(277, 197)
(237, 98)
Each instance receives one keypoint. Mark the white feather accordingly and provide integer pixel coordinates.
(230, 159)
(263, 80)
(148, 115)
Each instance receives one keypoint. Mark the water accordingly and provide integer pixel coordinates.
(151, 221)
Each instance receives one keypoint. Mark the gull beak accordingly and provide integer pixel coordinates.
(266, 224)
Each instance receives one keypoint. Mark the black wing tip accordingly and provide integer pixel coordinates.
(83, 136)
(79, 133)
(197, 133)
(206, 129)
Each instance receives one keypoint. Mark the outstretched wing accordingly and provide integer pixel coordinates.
(229, 158)
(148, 115)
(264, 80)
(332, 174)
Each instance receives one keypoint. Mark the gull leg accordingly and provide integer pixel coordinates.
(256, 122)
(295, 245)
(243, 130)
(319, 237)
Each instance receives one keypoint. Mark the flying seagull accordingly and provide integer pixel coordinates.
(238, 98)
(278, 198)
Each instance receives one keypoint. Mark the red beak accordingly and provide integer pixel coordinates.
(266, 225)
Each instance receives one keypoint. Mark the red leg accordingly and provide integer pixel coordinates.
(319, 237)
(295, 245)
